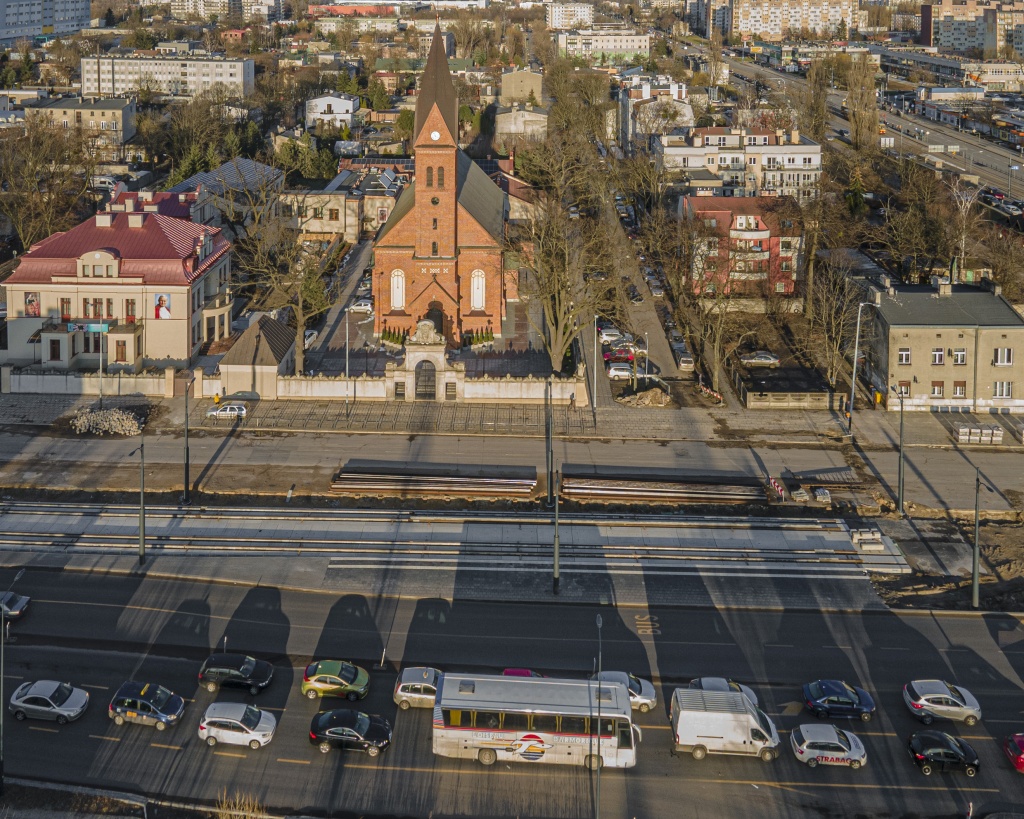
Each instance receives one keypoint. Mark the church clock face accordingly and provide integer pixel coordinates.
(435, 135)
(435, 201)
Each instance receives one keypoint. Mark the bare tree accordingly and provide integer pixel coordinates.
(1003, 252)
(861, 105)
(832, 327)
(812, 101)
(469, 34)
(238, 806)
(46, 171)
(966, 220)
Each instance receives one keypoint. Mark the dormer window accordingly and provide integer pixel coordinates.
(99, 264)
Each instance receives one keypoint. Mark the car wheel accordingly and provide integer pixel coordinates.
(487, 756)
(927, 719)
(62, 720)
(118, 720)
(255, 745)
(254, 690)
(812, 763)
(161, 726)
(865, 717)
(211, 687)
(20, 715)
(593, 762)
(312, 694)
(699, 752)
(971, 721)
(352, 696)
(325, 747)
(970, 770)
(821, 714)
(855, 764)
(211, 741)
(404, 705)
(644, 708)
(926, 770)
(373, 750)
(767, 755)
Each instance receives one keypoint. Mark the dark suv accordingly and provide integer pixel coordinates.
(237, 670)
(146, 704)
(835, 698)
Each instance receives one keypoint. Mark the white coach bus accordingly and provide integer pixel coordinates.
(534, 719)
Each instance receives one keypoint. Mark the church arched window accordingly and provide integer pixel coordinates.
(433, 248)
(477, 290)
(440, 176)
(397, 290)
(430, 177)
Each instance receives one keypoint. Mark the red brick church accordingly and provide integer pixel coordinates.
(440, 254)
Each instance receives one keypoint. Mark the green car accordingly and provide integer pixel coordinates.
(335, 678)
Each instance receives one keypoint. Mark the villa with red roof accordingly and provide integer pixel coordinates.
(124, 290)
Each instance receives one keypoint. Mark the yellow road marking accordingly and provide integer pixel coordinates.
(295, 761)
(229, 753)
(168, 747)
(97, 687)
(40, 728)
(108, 739)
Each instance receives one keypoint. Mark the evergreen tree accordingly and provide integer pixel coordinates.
(108, 19)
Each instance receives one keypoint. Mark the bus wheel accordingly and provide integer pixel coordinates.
(593, 762)
(487, 756)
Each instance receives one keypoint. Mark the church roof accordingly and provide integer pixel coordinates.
(437, 88)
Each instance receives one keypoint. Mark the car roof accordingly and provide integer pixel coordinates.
(818, 732)
(332, 667)
(226, 710)
(422, 674)
(928, 687)
(713, 683)
(225, 660)
(340, 718)
(42, 688)
(130, 688)
(933, 739)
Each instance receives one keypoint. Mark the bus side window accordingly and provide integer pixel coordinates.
(452, 718)
(625, 734)
(574, 725)
(488, 719)
(515, 722)
(545, 723)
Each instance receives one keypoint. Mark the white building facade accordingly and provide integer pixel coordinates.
(185, 76)
(775, 19)
(569, 15)
(618, 44)
(336, 110)
(34, 18)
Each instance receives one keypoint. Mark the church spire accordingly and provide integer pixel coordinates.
(437, 89)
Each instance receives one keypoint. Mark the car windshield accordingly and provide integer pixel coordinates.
(762, 720)
(362, 724)
(954, 693)
(248, 666)
(8, 599)
(851, 693)
(843, 740)
(347, 673)
(634, 684)
(815, 690)
(160, 698)
(61, 695)
(251, 717)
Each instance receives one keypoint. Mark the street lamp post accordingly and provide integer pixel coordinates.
(647, 358)
(599, 761)
(348, 343)
(596, 348)
(185, 499)
(3, 642)
(141, 449)
(556, 576)
(1009, 170)
(856, 355)
(976, 559)
(899, 483)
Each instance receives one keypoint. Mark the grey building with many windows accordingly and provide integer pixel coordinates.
(945, 348)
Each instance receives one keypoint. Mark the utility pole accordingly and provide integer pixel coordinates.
(556, 577)
(976, 561)
(185, 499)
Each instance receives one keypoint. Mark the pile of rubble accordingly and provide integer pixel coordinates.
(646, 398)
(106, 422)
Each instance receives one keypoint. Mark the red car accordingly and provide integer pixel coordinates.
(1014, 747)
(618, 356)
(520, 672)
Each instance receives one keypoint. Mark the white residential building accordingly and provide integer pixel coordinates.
(34, 18)
(775, 19)
(269, 10)
(647, 108)
(120, 76)
(742, 161)
(569, 15)
(204, 9)
(612, 44)
(334, 109)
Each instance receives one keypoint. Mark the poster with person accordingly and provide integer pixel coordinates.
(162, 306)
(32, 305)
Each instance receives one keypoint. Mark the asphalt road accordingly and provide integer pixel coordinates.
(97, 631)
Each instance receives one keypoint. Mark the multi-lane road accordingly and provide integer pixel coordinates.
(98, 630)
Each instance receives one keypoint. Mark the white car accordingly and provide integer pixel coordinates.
(642, 695)
(363, 305)
(1010, 210)
(821, 744)
(609, 334)
(309, 339)
(230, 411)
(931, 699)
(236, 723)
(620, 372)
(724, 685)
(761, 358)
(822, 495)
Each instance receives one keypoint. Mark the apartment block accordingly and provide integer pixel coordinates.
(32, 18)
(742, 161)
(612, 44)
(648, 107)
(775, 19)
(105, 76)
(204, 9)
(569, 15)
(110, 123)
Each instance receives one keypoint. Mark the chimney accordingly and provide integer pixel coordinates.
(136, 220)
(794, 136)
(645, 90)
(673, 90)
(105, 219)
(146, 196)
(780, 135)
(129, 205)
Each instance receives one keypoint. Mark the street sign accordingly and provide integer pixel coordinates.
(76, 327)
(936, 149)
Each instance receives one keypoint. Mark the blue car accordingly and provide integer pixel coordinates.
(835, 698)
(146, 704)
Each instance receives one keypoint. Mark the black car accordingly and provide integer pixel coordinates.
(350, 731)
(939, 751)
(237, 670)
(835, 698)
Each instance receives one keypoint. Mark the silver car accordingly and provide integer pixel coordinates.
(929, 700)
(642, 694)
(722, 684)
(819, 744)
(235, 723)
(416, 687)
(48, 699)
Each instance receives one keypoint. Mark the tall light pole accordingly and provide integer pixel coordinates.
(185, 499)
(141, 449)
(599, 760)
(596, 349)
(647, 357)
(899, 484)
(556, 576)
(976, 560)
(549, 442)
(3, 642)
(348, 343)
(856, 355)
(1009, 170)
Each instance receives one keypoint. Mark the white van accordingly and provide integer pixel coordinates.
(717, 722)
